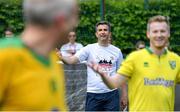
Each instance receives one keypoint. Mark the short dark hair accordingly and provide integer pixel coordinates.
(103, 23)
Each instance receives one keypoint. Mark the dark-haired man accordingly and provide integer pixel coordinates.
(99, 96)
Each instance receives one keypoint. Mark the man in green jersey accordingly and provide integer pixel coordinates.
(30, 78)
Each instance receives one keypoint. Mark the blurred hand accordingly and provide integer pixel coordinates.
(96, 67)
(58, 53)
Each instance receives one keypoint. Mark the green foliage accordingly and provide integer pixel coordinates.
(11, 15)
(127, 17)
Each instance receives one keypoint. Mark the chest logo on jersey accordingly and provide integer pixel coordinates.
(53, 85)
(146, 64)
(172, 64)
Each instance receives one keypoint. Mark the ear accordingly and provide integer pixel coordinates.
(148, 35)
(169, 35)
(96, 35)
(110, 34)
(59, 21)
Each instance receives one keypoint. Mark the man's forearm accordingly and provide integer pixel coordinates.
(70, 60)
(115, 81)
(124, 89)
(109, 81)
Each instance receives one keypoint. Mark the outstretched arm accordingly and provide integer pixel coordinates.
(70, 60)
(111, 81)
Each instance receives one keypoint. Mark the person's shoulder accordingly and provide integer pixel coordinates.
(114, 47)
(89, 47)
(92, 45)
(11, 48)
(173, 54)
(64, 46)
(137, 53)
(78, 43)
(11, 43)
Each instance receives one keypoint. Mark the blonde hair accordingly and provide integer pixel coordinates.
(158, 18)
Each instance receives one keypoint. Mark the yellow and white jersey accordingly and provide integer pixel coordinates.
(29, 81)
(152, 80)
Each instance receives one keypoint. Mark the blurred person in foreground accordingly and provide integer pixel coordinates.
(30, 78)
(152, 72)
(99, 97)
(72, 46)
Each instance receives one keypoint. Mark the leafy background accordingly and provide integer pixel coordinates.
(128, 19)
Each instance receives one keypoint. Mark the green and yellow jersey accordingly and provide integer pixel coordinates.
(152, 79)
(29, 81)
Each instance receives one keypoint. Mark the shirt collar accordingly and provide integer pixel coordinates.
(151, 51)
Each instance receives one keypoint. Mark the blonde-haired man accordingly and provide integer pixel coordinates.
(151, 79)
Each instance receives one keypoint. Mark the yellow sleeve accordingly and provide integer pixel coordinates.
(127, 66)
(178, 75)
(5, 71)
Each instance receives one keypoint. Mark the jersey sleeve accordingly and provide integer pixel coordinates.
(80, 46)
(83, 54)
(127, 66)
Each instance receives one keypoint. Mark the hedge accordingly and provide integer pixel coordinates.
(128, 19)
